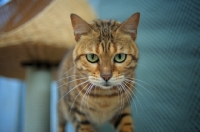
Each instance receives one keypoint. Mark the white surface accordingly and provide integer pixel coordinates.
(37, 112)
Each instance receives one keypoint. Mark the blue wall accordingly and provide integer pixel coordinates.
(11, 105)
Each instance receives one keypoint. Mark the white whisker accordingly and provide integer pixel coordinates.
(131, 97)
(121, 104)
(95, 92)
(143, 66)
(136, 89)
(139, 85)
(119, 100)
(88, 96)
(83, 98)
(73, 89)
(68, 77)
(118, 94)
(143, 82)
(134, 95)
(72, 81)
(77, 96)
(128, 98)
(68, 70)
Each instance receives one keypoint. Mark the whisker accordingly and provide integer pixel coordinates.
(143, 66)
(128, 98)
(131, 97)
(77, 96)
(143, 82)
(73, 89)
(87, 98)
(95, 93)
(136, 89)
(118, 94)
(148, 91)
(139, 85)
(68, 77)
(71, 81)
(134, 95)
(144, 88)
(68, 70)
(121, 98)
(83, 98)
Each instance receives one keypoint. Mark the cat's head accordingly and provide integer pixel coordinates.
(105, 50)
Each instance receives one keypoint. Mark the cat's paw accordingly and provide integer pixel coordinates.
(86, 129)
(126, 128)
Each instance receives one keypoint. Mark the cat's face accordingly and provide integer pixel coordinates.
(106, 51)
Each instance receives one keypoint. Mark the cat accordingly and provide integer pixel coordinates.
(97, 76)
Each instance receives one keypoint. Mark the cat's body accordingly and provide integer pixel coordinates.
(97, 75)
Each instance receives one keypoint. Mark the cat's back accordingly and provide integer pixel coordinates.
(65, 65)
(65, 73)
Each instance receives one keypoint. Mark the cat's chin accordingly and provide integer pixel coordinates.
(105, 86)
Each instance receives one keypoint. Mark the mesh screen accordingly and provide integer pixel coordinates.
(167, 95)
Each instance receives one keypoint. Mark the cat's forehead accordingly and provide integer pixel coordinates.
(112, 25)
(105, 40)
(105, 28)
(108, 48)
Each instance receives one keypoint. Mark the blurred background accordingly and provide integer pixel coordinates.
(167, 95)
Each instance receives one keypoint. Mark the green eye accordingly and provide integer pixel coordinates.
(92, 58)
(119, 58)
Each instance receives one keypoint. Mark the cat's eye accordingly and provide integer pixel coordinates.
(92, 58)
(119, 58)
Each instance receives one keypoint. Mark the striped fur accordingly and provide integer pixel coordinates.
(87, 97)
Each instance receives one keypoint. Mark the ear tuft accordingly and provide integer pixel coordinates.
(79, 25)
(130, 25)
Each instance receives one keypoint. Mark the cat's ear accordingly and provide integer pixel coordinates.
(130, 25)
(79, 25)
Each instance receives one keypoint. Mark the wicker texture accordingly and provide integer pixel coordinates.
(45, 37)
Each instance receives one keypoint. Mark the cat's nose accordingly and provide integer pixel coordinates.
(106, 77)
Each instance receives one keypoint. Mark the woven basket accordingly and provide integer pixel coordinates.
(44, 37)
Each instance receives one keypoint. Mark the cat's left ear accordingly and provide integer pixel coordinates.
(130, 25)
(80, 26)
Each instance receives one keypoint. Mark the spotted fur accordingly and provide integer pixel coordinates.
(91, 94)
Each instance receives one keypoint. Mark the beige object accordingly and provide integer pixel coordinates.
(42, 38)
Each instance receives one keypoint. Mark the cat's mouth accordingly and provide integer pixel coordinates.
(107, 84)
(104, 84)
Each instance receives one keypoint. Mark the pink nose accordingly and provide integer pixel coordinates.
(106, 77)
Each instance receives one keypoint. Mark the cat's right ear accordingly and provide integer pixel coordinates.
(79, 25)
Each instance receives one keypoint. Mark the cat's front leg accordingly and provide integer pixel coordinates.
(61, 128)
(84, 126)
(124, 121)
(81, 124)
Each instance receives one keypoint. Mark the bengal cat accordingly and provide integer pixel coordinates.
(97, 76)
